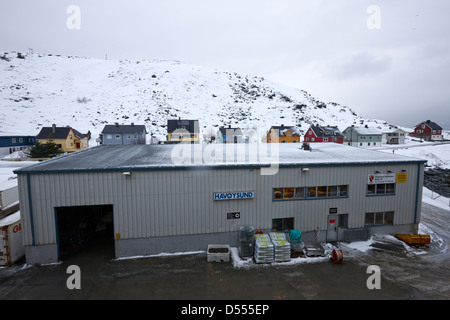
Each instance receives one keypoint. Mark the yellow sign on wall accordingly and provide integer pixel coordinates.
(402, 177)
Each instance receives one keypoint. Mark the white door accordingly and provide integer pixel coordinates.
(332, 227)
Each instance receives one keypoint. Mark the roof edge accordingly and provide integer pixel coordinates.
(212, 167)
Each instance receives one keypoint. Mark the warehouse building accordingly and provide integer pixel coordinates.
(148, 199)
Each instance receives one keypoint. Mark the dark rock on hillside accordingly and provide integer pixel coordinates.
(438, 180)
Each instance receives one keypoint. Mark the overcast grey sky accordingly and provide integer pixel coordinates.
(385, 59)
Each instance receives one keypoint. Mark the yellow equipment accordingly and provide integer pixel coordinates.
(415, 239)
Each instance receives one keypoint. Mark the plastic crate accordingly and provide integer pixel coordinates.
(218, 253)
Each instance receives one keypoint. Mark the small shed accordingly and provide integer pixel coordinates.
(9, 198)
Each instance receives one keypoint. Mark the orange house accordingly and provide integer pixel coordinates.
(283, 134)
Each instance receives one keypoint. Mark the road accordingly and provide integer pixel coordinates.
(407, 146)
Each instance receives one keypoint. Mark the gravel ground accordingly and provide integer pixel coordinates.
(406, 273)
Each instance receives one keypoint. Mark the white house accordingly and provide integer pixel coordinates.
(393, 136)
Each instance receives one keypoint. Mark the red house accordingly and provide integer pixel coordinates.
(428, 130)
(318, 133)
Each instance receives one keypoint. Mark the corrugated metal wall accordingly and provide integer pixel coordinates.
(177, 202)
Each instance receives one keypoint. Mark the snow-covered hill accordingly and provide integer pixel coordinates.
(39, 90)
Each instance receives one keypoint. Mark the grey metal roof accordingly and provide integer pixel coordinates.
(363, 130)
(188, 156)
(123, 128)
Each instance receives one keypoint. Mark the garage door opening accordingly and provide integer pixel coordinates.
(85, 230)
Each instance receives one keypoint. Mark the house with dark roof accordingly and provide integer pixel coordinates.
(428, 130)
(229, 135)
(283, 134)
(66, 138)
(317, 133)
(180, 130)
(123, 134)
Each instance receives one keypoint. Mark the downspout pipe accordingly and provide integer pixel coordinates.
(30, 208)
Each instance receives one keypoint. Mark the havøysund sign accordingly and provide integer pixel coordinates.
(234, 195)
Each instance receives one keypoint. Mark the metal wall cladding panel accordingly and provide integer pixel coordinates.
(24, 208)
(310, 214)
(179, 202)
(307, 214)
(403, 203)
(43, 218)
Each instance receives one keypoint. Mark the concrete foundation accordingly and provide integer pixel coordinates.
(41, 254)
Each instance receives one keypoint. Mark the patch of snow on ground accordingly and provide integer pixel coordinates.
(361, 246)
(248, 262)
(162, 254)
(435, 199)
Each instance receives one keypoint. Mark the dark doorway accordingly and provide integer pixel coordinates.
(86, 229)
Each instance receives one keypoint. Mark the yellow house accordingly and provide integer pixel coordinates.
(67, 138)
(183, 131)
(282, 134)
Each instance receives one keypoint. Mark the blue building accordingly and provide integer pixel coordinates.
(13, 143)
(124, 134)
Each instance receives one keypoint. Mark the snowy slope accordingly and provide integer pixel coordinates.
(40, 90)
(436, 154)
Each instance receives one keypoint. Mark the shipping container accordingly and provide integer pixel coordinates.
(11, 246)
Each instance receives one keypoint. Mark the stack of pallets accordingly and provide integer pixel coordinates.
(272, 247)
(282, 247)
(263, 249)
